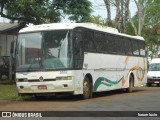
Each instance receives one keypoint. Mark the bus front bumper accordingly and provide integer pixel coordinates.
(43, 87)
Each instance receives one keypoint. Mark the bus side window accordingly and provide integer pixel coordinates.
(107, 42)
(78, 49)
(135, 47)
(120, 45)
(127, 46)
(141, 45)
(100, 41)
(110, 43)
(88, 38)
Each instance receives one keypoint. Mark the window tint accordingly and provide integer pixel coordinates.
(141, 45)
(88, 40)
(110, 41)
(119, 44)
(78, 48)
(100, 41)
(135, 47)
(127, 46)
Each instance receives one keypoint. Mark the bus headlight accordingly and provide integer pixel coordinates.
(64, 78)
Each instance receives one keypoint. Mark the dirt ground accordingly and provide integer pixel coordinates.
(146, 98)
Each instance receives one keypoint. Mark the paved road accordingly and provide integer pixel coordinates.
(142, 99)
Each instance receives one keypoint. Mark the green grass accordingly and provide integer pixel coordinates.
(9, 91)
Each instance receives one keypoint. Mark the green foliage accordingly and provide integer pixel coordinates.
(151, 27)
(152, 20)
(152, 37)
(152, 12)
(46, 11)
(98, 20)
(130, 30)
(78, 10)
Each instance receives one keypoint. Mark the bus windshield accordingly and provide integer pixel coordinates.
(44, 50)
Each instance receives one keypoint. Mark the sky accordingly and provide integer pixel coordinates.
(99, 8)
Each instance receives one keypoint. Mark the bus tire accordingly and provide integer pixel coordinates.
(148, 84)
(131, 84)
(87, 92)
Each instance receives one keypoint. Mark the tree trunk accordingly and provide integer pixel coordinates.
(141, 16)
(133, 25)
(122, 16)
(126, 15)
(107, 3)
(118, 15)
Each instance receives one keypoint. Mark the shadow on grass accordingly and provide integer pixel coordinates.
(6, 82)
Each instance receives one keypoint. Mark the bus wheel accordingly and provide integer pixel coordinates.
(87, 93)
(131, 84)
(148, 84)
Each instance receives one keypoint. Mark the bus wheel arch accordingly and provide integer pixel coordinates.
(87, 86)
(131, 83)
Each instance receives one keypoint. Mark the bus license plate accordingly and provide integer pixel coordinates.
(40, 87)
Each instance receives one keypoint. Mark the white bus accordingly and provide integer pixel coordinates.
(78, 58)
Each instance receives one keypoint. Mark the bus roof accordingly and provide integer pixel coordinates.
(64, 26)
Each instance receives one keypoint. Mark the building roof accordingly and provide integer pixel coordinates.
(8, 26)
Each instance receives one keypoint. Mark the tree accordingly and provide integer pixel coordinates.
(108, 7)
(78, 10)
(147, 15)
(153, 40)
(121, 18)
(152, 16)
(122, 13)
(98, 20)
(146, 23)
(141, 7)
(45, 11)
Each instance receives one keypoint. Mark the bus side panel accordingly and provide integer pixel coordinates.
(79, 76)
(113, 71)
(136, 66)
